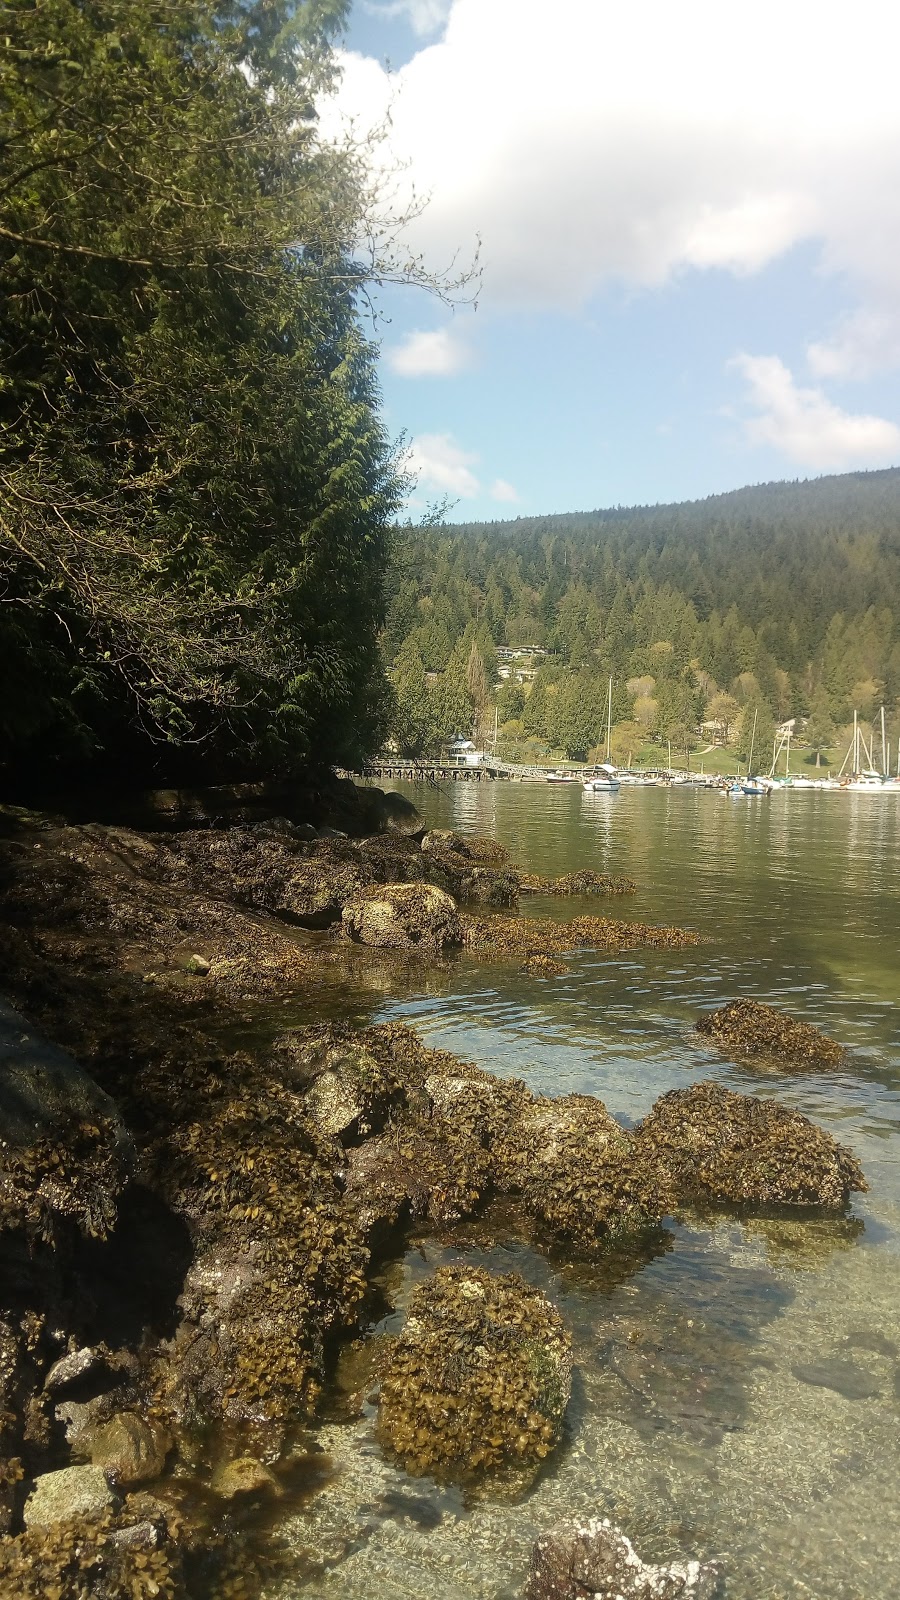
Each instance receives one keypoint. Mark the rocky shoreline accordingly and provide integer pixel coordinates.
(191, 1231)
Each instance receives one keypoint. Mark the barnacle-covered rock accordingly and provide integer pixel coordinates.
(711, 1142)
(478, 1380)
(751, 1028)
(403, 916)
(71, 1492)
(595, 1559)
(578, 1171)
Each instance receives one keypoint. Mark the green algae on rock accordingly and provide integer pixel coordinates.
(478, 1380)
(751, 1028)
(710, 1142)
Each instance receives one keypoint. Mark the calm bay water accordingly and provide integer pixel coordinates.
(738, 1387)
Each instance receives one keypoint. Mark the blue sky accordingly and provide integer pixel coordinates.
(690, 236)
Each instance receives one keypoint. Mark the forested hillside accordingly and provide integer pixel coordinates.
(774, 601)
(195, 486)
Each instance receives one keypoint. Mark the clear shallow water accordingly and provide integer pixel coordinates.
(738, 1390)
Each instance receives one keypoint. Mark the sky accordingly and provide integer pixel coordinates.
(687, 221)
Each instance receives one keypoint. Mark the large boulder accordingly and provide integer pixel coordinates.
(479, 1379)
(403, 916)
(578, 1171)
(595, 1561)
(712, 1143)
(747, 1027)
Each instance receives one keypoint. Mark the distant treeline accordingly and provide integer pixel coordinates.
(768, 602)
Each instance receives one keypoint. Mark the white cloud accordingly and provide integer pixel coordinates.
(807, 427)
(423, 16)
(431, 353)
(501, 490)
(439, 464)
(865, 342)
(635, 141)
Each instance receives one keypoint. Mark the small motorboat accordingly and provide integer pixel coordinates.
(561, 777)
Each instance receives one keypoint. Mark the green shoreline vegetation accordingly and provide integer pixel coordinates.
(756, 607)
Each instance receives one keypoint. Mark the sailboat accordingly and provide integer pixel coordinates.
(605, 778)
(865, 778)
(754, 786)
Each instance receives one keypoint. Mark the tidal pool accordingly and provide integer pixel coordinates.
(738, 1381)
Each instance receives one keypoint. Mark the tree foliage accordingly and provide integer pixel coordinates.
(780, 596)
(195, 484)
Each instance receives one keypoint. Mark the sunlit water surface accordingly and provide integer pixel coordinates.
(737, 1391)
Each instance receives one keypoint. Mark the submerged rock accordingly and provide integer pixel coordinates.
(538, 966)
(844, 1377)
(595, 1561)
(403, 916)
(710, 1142)
(244, 1475)
(752, 1028)
(478, 1380)
(128, 1448)
(72, 1492)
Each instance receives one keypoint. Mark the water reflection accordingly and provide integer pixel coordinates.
(739, 1382)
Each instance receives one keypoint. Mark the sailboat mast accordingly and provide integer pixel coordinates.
(884, 759)
(609, 721)
(855, 745)
(752, 738)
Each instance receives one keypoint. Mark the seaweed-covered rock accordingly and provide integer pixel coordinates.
(585, 882)
(64, 1152)
(344, 1084)
(579, 1173)
(538, 966)
(506, 936)
(751, 1028)
(713, 1143)
(478, 1380)
(106, 1557)
(595, 1561)
(471, 869)
(306, 883)
(403, 916)
(129, 1449)
(280, 1265)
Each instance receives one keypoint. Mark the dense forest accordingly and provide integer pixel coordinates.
(768, 603)
(195, 486)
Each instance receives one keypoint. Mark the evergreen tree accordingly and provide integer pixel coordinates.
(194, 483)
